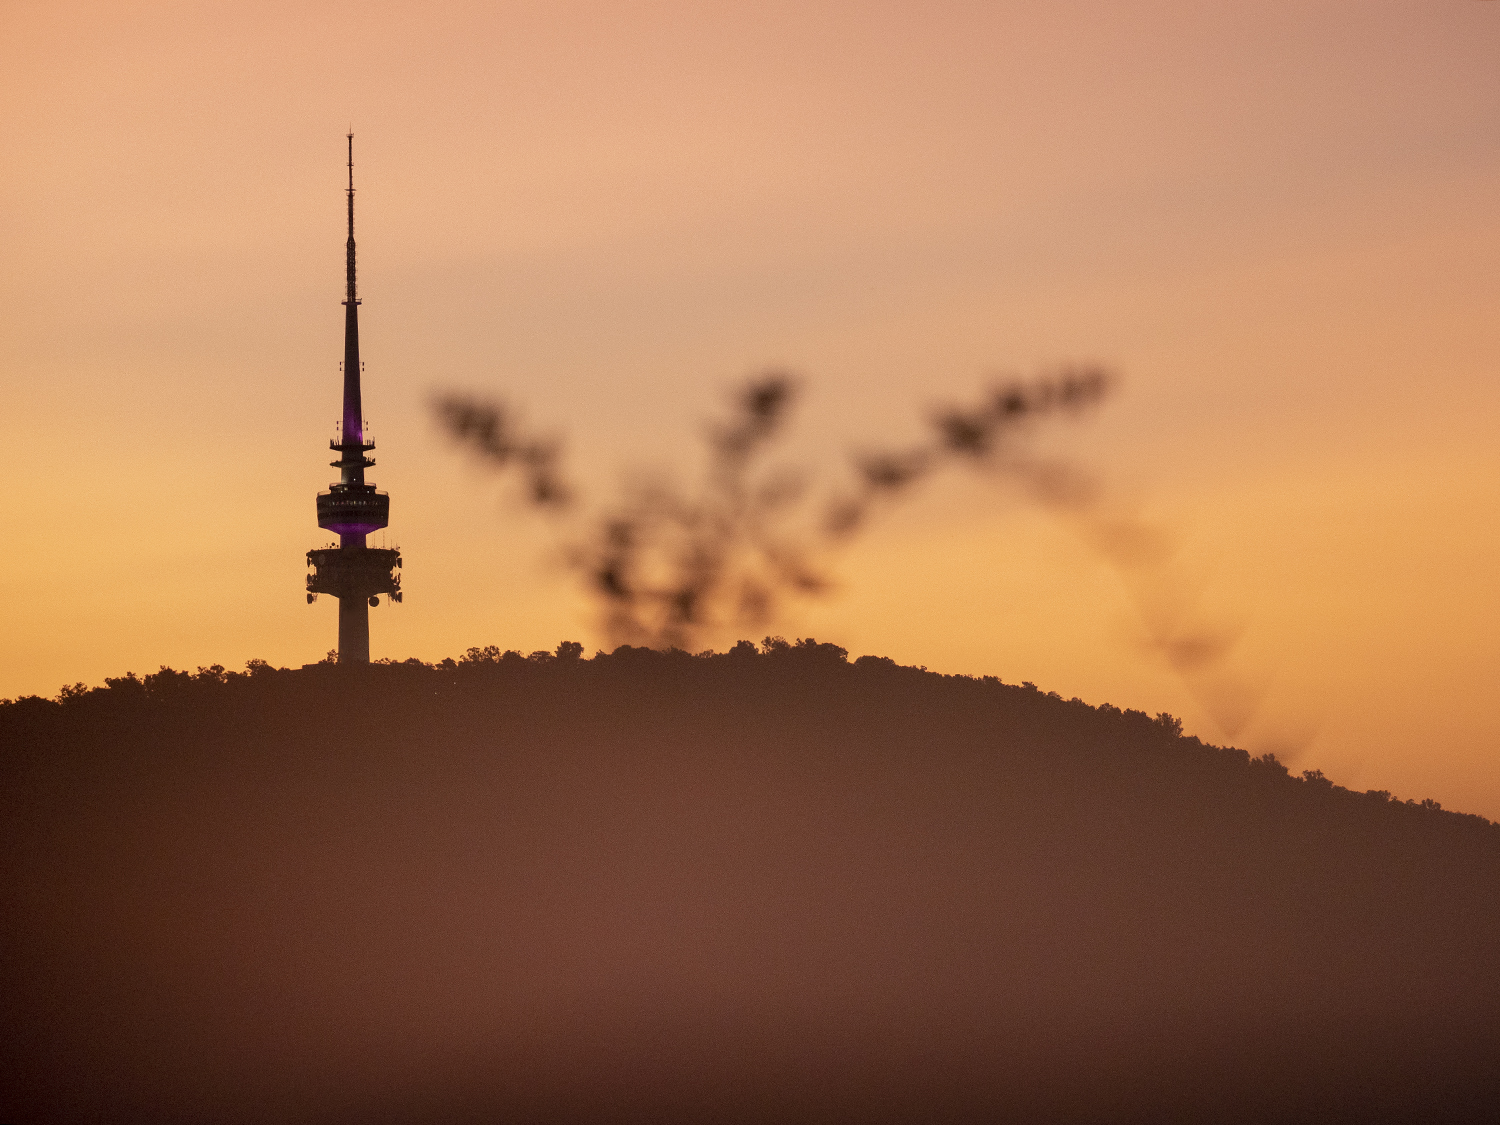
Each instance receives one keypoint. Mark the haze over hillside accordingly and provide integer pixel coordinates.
(768, 884)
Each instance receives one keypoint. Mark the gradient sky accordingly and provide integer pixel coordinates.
(1277, 221)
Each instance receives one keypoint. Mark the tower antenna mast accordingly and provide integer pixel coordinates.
(351, 299)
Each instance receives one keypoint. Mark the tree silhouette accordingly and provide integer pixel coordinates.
(841, 890)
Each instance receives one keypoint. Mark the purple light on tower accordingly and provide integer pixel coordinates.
(355, 574)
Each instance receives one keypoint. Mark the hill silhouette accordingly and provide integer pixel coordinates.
(768, 884)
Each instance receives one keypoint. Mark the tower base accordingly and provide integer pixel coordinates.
(354, 630)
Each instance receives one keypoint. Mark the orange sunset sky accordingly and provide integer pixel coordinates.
(1278, 222)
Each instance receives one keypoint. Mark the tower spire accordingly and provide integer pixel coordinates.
(353, 420)
(351, 299)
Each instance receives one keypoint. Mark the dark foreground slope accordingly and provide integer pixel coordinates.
(752, 887)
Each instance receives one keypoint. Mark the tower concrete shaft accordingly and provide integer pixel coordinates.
(354, 631)
(353, 572)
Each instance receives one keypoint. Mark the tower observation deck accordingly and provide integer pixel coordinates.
(352, 572)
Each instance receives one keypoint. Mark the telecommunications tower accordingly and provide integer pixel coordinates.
(355, 574)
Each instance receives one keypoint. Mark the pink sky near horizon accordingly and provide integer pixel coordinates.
(1277, 222)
